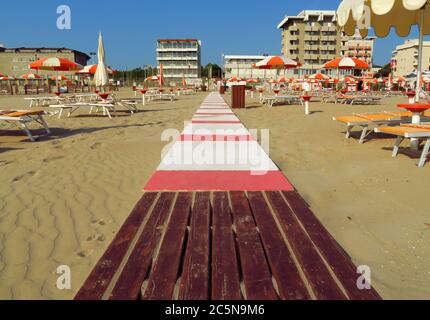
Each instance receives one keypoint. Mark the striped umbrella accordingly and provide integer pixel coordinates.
(152, 78)
(346, 63)
(55, 64)
(319, 76)
(60, 78)
(91, 69)
(31, 76)
(276, 62)
(6, 78)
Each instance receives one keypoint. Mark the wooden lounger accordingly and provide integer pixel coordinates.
(409, 131)
(370, 121)
(227, 245)
(23, 117)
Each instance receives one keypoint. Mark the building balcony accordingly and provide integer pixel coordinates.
(177, 49)
(292, 37)
(328, 29)
(293, 28)
(312, 28)
(177, 58)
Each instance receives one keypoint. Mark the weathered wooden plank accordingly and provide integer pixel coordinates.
(334, 254)
(284, 269)
(322, 282)
(195, 273)
(225, 272)
(163, 277)
(256, 274)
(100, 277)
(128, 285)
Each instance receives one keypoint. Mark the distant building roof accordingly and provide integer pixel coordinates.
(45, 50)
(305, 14)
(178, 40)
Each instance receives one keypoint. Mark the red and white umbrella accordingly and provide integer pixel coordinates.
(92, 69)
(347, 63)
(55, 64)
(273, 81)
(276, 62)
(60, 78)
(252, 81)
(319, 77)
(31, 76)
(6, 78)
(152, 78)
(348, 80)
(234, 79)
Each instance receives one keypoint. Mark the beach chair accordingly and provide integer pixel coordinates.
(370, 121)
(410, 131)
(22, 117)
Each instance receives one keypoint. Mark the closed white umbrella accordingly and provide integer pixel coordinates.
(101, 76)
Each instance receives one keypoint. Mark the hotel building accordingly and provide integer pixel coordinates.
(180, 57)
(406, 57)
(14, 61)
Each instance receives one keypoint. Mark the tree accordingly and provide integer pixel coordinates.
(384, 72)
(216, 70)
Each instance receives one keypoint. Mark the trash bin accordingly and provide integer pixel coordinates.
(238, 96)
(221, 89)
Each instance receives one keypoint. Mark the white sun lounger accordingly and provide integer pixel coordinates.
(22, 117)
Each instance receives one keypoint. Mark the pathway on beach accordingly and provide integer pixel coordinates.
(218, 220)
(216, 152)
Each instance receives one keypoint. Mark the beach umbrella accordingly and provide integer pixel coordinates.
(60, 78)
(276, 62)
(384, 14)
(346, 63)
(6, 78)
(31, 76)
(233, 79)
(101, 78)
(152, 78)
(55, 64)
(92, 69)
(272, 81)
(252, 81)
(161, 78)
(319, 76)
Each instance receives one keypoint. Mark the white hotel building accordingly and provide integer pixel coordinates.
(180, 57)
(241, 66)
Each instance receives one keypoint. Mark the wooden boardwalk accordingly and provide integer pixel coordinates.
(223, 245)
(184, 240)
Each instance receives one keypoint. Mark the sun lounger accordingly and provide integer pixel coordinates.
(409, 131)
(23, 117)
(370, 121)
(272, 100)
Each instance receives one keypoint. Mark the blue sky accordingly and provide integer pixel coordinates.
(131, 27)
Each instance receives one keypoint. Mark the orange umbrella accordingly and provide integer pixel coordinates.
(347, 63)
(252, 81)
(55, 64)
(319, 76)
(276, 62)
(30, 76)
(92, 69)
(60, 78)
(152, 78)
(6, 78)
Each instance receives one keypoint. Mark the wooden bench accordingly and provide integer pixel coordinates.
(223, 246)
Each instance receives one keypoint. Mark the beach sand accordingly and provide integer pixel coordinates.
(374, 206)
(64, 197)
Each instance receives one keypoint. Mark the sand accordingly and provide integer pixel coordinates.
(375, 206)
(64, 197)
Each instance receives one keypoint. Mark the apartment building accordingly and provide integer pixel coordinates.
(241, 66)
(312, 38)
(406, 57)
(180, 57)
(14, 61)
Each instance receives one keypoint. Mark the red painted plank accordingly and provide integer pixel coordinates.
(100, 277)
(128, 285)
(225, 272)
(215, 122)
(284, 269)
(163, 277)
(313, 266)
(338, 260)
(215, 137)
(195, 274)
(255, 270)
(217, 180)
